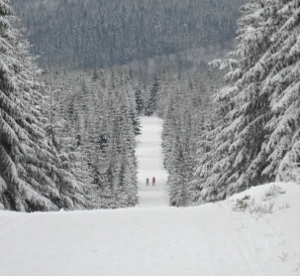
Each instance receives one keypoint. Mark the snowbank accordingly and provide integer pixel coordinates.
(213, 239)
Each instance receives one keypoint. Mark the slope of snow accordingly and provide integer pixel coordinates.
(150, 163)
(212, 239)
(256, 233)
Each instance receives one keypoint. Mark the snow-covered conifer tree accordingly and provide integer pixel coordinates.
(283, 86)
(153, 94)
(31, 174)
(238, 156)
(179, 143)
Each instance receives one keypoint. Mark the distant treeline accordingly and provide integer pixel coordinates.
(105, 33)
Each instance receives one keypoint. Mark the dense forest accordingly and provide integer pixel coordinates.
(100, 33)
(72, 147)
(250, 136)
(68, 130)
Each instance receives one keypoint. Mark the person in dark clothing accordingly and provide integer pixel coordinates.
(147, 181)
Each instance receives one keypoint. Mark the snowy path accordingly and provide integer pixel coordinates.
(209, 240)
(150, 163)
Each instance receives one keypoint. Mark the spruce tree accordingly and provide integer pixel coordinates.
(179, 142)
(31, 173)
(239, 155)
(153, 95)
(283, 84)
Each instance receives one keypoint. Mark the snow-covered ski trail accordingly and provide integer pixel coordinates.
(150, 164)
(209, 240)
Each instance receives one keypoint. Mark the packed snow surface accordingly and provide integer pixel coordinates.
(150, 164)
(256, 233)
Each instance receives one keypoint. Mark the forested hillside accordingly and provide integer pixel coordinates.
(32, 174)
(69, 146)
(68, 136)
(250, 135)
(94, 122)
(76, 33)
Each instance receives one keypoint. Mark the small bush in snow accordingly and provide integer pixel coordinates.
(253, 207)
(242, 204)
(285, 205)
(262, 208)
(283, 257)
(245, 204)
(274, 191)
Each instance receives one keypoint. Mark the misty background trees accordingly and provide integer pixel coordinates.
(75, 33)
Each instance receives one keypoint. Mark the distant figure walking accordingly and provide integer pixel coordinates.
(147, 181)
(153, 181)
(148, 112)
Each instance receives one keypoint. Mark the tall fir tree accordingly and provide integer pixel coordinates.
(32, 176)
(258, 122)
(283, 84)
(153, 95)
(239, 153)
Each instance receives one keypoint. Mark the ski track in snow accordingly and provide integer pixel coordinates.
(150, 163)
(209, 240)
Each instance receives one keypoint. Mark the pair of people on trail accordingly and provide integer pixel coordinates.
(148, 112)
(153, 181)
